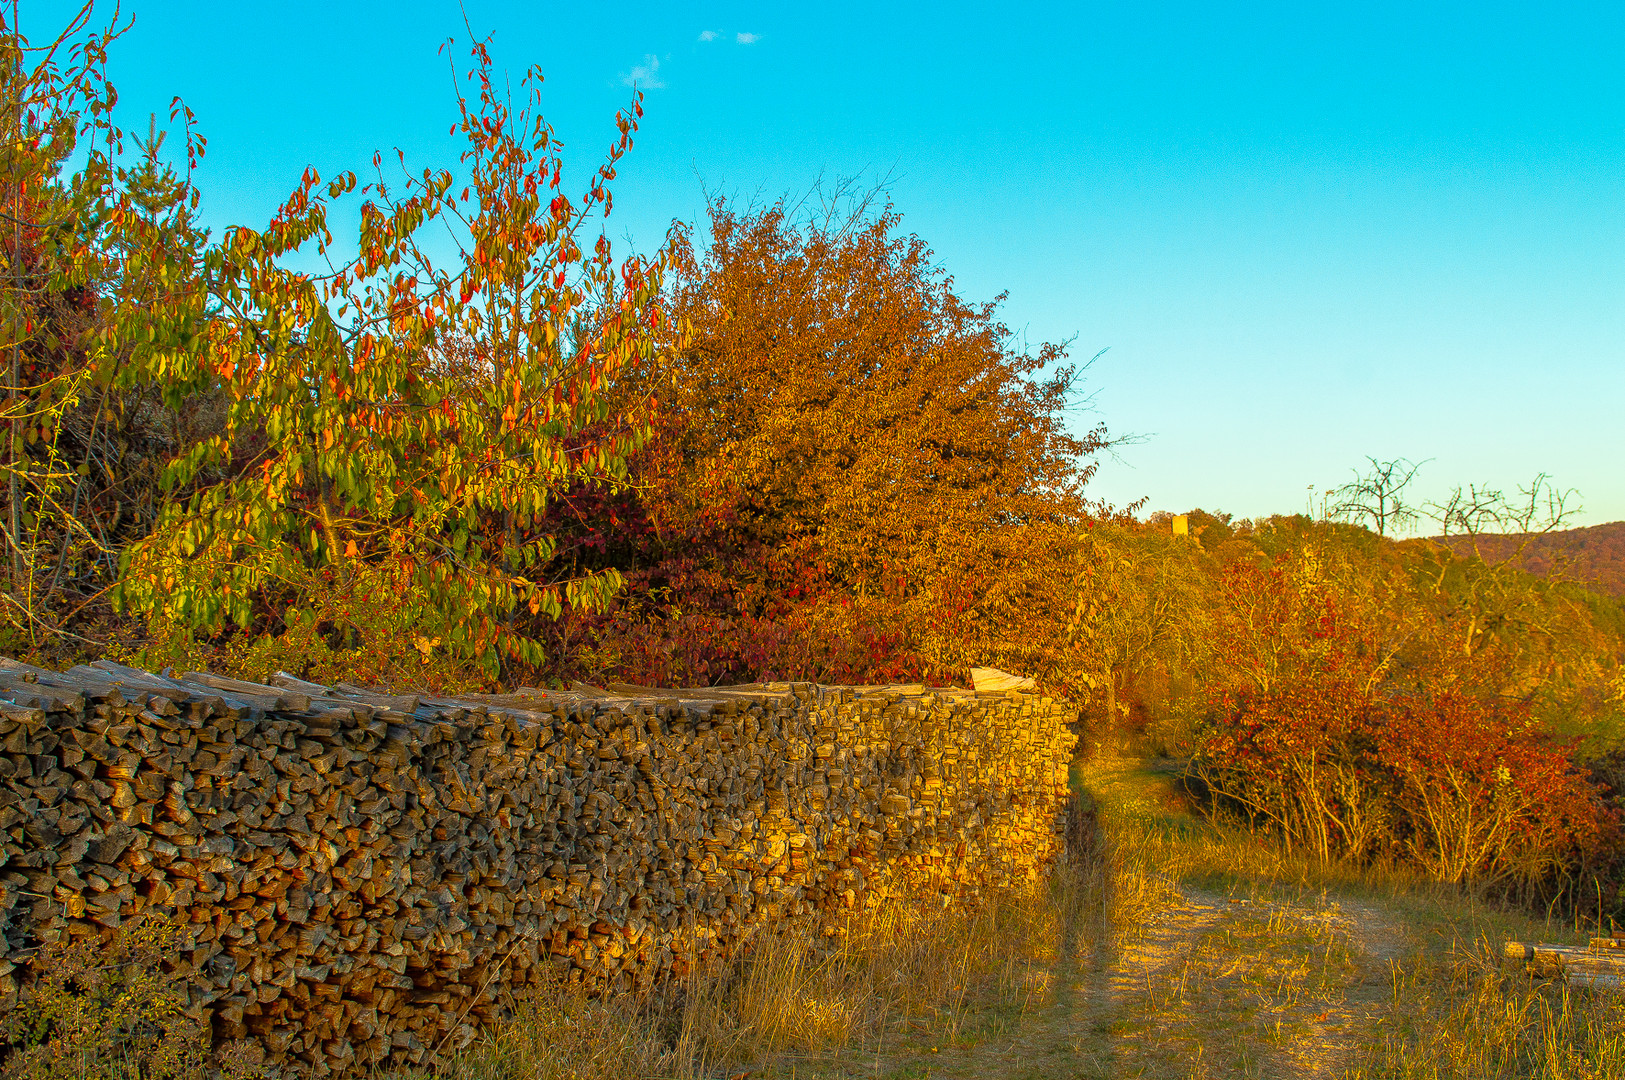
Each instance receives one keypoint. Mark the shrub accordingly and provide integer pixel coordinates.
(1302, 757)
(1471, 790)
(109, 1010)
(1486, 793)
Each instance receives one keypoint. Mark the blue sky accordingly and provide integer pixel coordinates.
(1303, 234)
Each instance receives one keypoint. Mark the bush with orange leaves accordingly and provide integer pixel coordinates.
(845, 465)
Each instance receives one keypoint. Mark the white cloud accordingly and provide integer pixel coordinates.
(708, 35)
(646, 76)
(747, 39)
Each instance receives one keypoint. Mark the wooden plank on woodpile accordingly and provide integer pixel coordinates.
(402, 703)
(280, 697)
(41, 695)
(283, 680)
(17, 667)
(237, 705)
(517, 695)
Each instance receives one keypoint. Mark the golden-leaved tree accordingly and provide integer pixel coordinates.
(846, 456)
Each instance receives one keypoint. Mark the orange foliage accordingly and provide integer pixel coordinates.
(845, 450)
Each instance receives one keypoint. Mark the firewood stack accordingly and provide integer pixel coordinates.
(362, 878)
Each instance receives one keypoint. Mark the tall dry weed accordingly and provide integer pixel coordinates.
(948, 973)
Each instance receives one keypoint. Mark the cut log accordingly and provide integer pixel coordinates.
(1600, 964)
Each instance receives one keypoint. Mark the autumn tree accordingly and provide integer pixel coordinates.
(841, 433)
(1377, 495)
(362, 478)
(846, 396)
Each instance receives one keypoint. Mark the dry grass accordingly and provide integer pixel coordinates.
(1180, 950)
(1463, 1013)
(902, 979)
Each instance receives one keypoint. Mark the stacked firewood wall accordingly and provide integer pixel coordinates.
(362, 879)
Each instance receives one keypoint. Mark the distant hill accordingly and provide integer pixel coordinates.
(1594, 555)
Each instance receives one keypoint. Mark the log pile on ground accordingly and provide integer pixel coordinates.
(1601, 964)
(364, 878)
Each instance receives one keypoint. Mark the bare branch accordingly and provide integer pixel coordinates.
(1378, 496)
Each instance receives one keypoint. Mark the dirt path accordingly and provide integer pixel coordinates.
(1172, 980)
(1378, 942)
(1212, 989)
(1193, 984)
